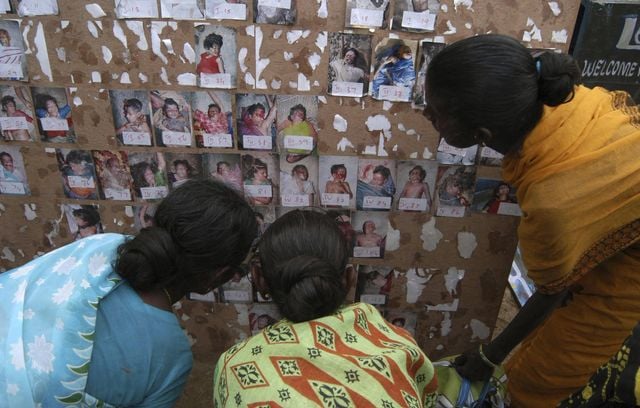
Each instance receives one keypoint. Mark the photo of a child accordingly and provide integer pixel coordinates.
(78, 174)
(131, 117)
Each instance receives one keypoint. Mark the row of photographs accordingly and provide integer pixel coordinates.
(272, 179)
(391, 74)
(408, 15)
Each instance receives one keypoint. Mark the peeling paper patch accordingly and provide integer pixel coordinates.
(92, 29)
(303, 83)
(386, 105)
(242, 56)
(426, 154)
(555, 8)
(444, 307)
(250, 30)
(401, 127)
(560, 37)
(444, 8)
(293, 36)
(248, 78)
(187, 78)
(96, 78)
(77, 101)
(314, 60)
(322, 98)
(411, 132)
(124, 78)
(533, 34)
(393, 238)
(30, 212)
(466, 3)
(95, 10)
(451, 279)
(138, 29)
(288, 56)
(119, 33)
(164, 76)
(378, 122)
(261, 63)
(340, 124)
(430, 236)
(276, 84)
(321, 40)
(243, 313)
(128, 211)
(451, 28)
(25, 36)
(8, 255)
(468, 26)
(41, 53)
(467, 243)
(106, 54)
(144, 79)
(371, 150)
(381, 151)
(479, 330)
(156, 30)
(322, 10)
(445, 326)
(277, 34)
(416, 281)
(344, 143)
(62, 54)
(189, 53)
(2, 208)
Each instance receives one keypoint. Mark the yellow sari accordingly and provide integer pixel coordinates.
(578, 179)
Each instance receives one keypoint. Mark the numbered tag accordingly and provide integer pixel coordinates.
(228, 12)
(215, 80)
(258, 190)
(366, 252)
(11, 71)
(509, 209)
(412, 204)
(295, 200)
(381, 203)
(341, 88)
(136, 138)
(421, 21)
(54, 124)
(365, 17)
(14, 123)
(37, 7)
(298, 143)
(207, 297)
(219, 140)
(257, 142)
(447, 148)
(373, 299)
(171, 138)
(116, 194)
(284, 4)
(236, 295)
(154, 193)
(80, 182)
(335, 199)
(449, 211)
(136, 9)
(394, 93)
(12, 187)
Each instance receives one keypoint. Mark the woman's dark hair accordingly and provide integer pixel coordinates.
(492, 81)
(303, 256)
(200, 227)
(211, 40)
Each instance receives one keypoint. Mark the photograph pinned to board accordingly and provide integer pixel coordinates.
(298, 182)
(238, 289)
(13, 179)
(376, 185)
(6, 7)
(136, 9)
(394, 70)
(256, 116)
(13, 63)
(427, 49)
(371, 233)
(490, 157)
(171, 118)
(131, 117)
(262, 315)
(452, 155)
(260, 171)
(214, 45)
(182, 9)
(212, 115)
(16, 114)
(374, 284)
(417, 16)
(494, 196)
(83, 220)
(78, 174)
(338, 179)
(143, 215)
(265, 216)
(281, 12)
(30, 8)
(416, 184)
(403, 319)
(182, 167)
(366, 13)
(226, 10)
(349, 61)
(454, 190)
(297, 126)
(224, 167)
(54, 115)
(149, 173)
(114, 175)
(343, 218)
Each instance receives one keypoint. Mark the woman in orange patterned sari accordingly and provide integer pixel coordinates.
(572, 152)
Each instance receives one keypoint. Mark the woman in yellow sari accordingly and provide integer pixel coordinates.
(573, 154)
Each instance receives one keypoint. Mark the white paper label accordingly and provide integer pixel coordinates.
(341, 88)
(116, 194)
(295, 200)
(383, 203)
(228, 12)
(421, 21)
(284, 4)
(207, 297)
(176, 138)
(236, 295)
(80, 182)
(367, 18)
(136, 138)
(38, 7)
(366, 252)
(4, 6)
(258, 190)
(335, 199)
(154, 193)
(447, 148)
(11, 187)
(450, 211)
(14, 123)
(136, 9)
(257, 142)
(373, 299)
(298, 142)
(54, 124)
(509, 209)
(412, 204)
(394, 93)
(215, 80)
(219, 140)
(181, 9)
(490, 153)
(11, 71)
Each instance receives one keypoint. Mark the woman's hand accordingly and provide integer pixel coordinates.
(471, 366)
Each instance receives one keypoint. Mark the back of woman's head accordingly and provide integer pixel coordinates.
(303, 257)
(200, 227)
(492, 81)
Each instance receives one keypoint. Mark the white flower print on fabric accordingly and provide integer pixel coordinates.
(12, 389)
(41, 354)
(63, 294)
(18, 297)
(84, 284)
(40, 281)
(65, 265)
(22, 271)
(97, 264)
(17, 355)
(59, 324)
